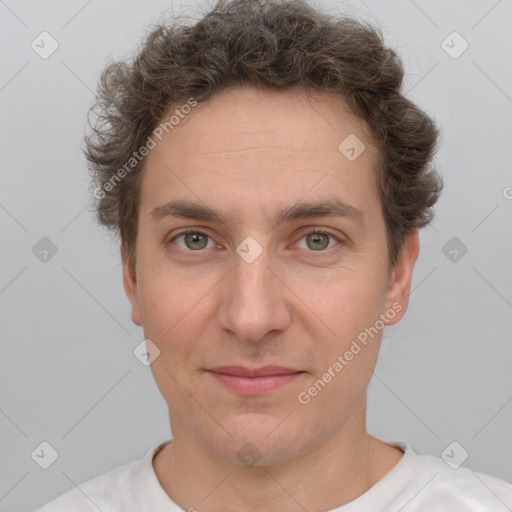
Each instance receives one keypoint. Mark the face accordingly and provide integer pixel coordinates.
(275, 256)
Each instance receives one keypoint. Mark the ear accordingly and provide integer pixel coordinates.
(130, 287)
(399, 285)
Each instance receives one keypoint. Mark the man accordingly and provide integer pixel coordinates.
(276, 141)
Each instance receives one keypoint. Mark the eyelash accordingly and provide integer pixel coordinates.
(312, 232)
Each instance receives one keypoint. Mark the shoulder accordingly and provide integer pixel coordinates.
(455, 489)
(108, 492)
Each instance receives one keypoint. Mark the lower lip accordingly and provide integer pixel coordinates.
(255, 386)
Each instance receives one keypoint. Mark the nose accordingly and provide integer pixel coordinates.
(254, 300)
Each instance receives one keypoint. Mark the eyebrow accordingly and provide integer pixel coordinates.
(199, 212)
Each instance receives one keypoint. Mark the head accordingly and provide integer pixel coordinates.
(267, 179)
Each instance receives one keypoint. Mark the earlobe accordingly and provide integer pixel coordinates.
(399, 286)
(130, 287)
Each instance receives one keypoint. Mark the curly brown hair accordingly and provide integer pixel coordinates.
(274, 44)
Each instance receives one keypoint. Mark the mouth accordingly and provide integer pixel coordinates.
(255, 381)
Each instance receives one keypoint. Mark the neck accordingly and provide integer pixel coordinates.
(338, 471)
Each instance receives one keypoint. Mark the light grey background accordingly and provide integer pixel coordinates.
(68, 373)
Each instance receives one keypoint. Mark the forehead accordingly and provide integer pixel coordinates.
(262, 144)
(298, 120)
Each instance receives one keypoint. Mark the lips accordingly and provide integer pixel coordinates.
(241, 371)
(254, 381)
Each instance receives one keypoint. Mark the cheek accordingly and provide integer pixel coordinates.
(350, 348)
(170, 295)
(172, 315)
(346, 303)
(173, 309)
(347, 357)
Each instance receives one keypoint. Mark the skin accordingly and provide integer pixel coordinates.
(248, 153)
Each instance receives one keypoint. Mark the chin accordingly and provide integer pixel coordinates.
(260, 440)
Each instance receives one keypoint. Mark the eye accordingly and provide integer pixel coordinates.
(318, 241)
(193, 240)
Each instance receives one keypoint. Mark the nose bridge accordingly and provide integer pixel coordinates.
(253, 303)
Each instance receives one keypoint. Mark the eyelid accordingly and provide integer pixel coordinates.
(309, 230)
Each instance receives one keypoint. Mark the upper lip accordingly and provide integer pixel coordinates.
(242, 371)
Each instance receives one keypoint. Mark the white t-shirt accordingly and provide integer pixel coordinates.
(418, 483)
